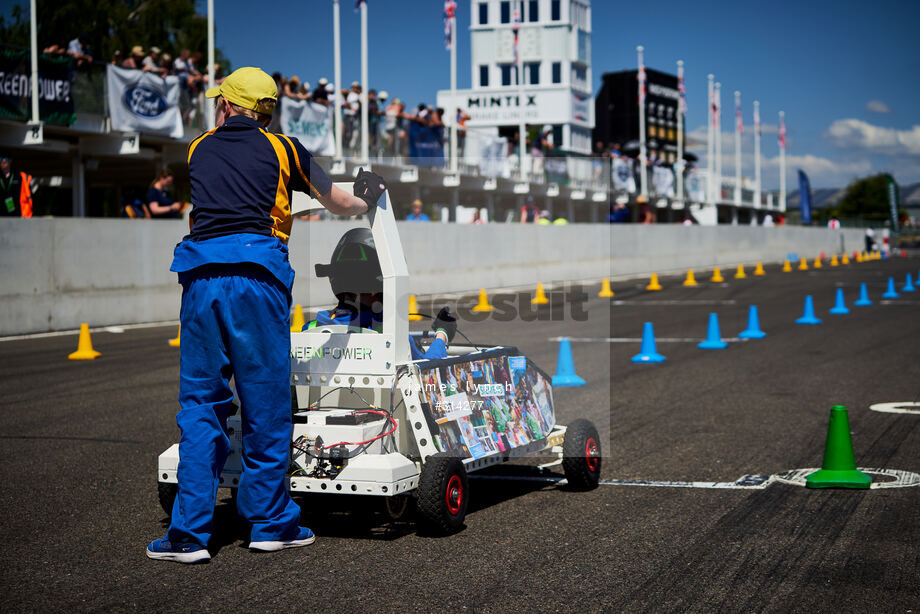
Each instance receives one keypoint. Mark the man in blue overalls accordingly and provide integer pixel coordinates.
(236, 295)
(357, 283)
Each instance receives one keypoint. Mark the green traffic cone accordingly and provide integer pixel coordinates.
(839, 467)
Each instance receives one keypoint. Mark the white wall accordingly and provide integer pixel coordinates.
(57, 273)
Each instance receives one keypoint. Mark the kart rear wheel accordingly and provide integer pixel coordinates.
(167, 494)
(581, 455)
(442, 494)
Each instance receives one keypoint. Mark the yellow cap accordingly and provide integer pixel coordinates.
(248, 87)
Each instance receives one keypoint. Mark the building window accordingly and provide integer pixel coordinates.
(506, 11)
(557, 72)
(533, 10)
(483, 75)
(506, 73)
(555, 10)
(580, 76)
(483, 13)
(532, 73)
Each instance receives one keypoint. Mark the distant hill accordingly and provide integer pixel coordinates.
(828, 197)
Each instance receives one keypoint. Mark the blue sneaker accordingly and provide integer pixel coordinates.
(162, 549)
(304, 538)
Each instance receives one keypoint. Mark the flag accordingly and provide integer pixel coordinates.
(450, 8)
(682, 103)
(714, 106)
(782, 132)
(893, 201)
(738, 115)
(358, 4)
(516, 26)
(756, 120)
(642, 84)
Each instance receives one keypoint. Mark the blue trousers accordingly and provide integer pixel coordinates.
(234, 323)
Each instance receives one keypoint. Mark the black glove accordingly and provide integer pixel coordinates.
(445, 322)
(369, 186)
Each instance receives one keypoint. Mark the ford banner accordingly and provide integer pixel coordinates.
(143, 102)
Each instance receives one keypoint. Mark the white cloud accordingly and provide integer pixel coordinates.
(877, 106)
(856, 134)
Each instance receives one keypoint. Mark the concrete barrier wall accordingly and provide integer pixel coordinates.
(57, 273)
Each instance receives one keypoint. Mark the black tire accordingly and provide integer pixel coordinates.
(442, 494)
(581, 455)
(167, 494)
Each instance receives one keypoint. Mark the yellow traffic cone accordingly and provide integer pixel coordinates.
(540, 296)
(803, 265)
(413, 309)
(483, 304)
(653, 284)
(297, 322)
(818, 264)
(834, 260)
(844, 259)
(758, 270)
(175, 342)
(717, 276)
(787, 266)
(606, 290)
(85, 349)
(860, 256)
(691, 280)
(739, 273)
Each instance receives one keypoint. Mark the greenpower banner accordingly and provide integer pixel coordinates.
(893, 201)
(55, 87)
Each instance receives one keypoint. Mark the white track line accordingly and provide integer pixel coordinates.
(908, 407)
(120, 328)
(639, 339)
(795, 477)
(675, 302)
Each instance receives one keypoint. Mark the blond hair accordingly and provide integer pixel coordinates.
(262, 118)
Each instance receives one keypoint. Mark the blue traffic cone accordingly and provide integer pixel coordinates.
(808, 316)
(840, 306)
(863, 300)
(565, 368)
(909, 285)
(713, 336)
(649, 352)
(753, 329)
(890, 293)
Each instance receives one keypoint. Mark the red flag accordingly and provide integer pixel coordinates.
(782, 132)
(516, 26)
(682, 104)
(450, 8)
(642, 84)
(738, 115)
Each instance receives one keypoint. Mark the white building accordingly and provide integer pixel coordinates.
(555, 47)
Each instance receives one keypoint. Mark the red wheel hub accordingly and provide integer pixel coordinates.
(454, 495)
(592, 455)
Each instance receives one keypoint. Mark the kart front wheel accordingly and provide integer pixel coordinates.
(442, 494)
(581, 455)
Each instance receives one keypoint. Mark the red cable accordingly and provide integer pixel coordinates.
(361, 443)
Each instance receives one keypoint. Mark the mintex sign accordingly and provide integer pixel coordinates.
(502, 107)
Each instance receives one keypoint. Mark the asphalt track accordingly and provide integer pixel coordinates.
(80, 441)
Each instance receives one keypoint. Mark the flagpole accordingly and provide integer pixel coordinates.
(710, 144)
(454, 154)
(782, 163)
(680, 131)
(757, 187)
(738, 128)
(643, 177)
(522, 127)
(365, 155)
(33, 36)
(717, 130)
(337, 54)
(211, 75)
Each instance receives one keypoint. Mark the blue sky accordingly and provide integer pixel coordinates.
(846, 72)
(821, 61)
